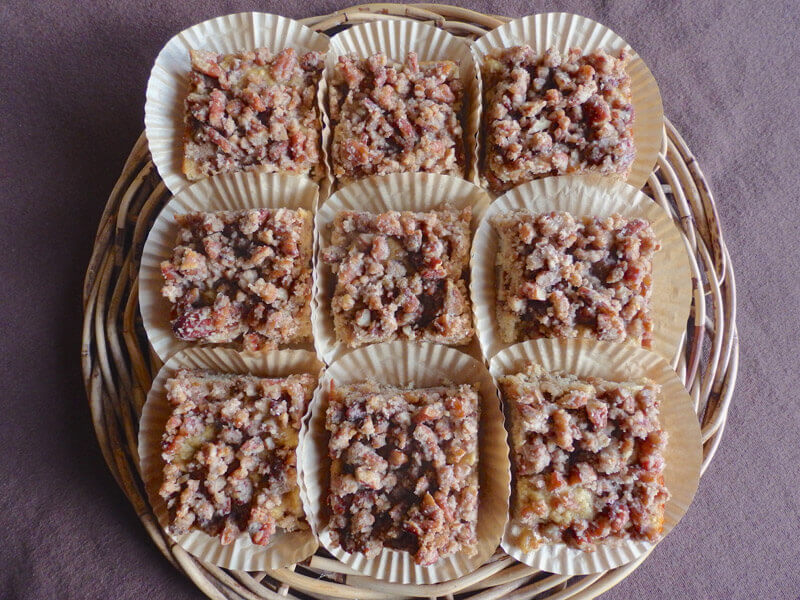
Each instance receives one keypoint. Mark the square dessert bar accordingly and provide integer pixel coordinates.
(401, 275)
(229, 449)
(562, 276)
(588, 458)
(404, 471)
(252, 111)
(396, 117)
(551, 115)
(241, 278)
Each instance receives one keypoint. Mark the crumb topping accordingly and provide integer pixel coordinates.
(552, 115)
(396, 117)
(588, 458)
(252, 111)
(561, 276)
(229, 449)
(404, 469)
(241, 278)
(401, 275)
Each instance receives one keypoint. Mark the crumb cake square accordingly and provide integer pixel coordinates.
(252, 111)
(390, 117)
(562, 276)
(229, 449)
(588, 458)
(241, 278)
(401, 275)
(404, 469)
(552, 115)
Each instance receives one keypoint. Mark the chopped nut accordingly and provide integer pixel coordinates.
(229, 278)
(400, 275)
(582, 477)
(392, 117)
(230, 464)
(551, 115)
(588, 277)
(248, 112)
(412, 500)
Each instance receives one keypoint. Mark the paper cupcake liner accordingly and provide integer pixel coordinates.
(168, 83)
(396, 38)
(399, 191)
(584, 195)
(565, 31)
(683, 455)
(284, 548)
(237, 191)
(421, 365)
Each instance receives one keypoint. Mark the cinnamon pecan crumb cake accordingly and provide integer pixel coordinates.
(252, 111)
(229, 449)
(588, 458)
(241, 278)
(562, 276)
(552, 115)
(393, 117)
(401, 275)
(404, 469)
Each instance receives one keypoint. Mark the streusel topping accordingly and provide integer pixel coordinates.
(253, 111)
(241, 278)
(565, 277)
(404, 469)
(401, 275)
(396, 117)
(552, 115)
(588, 458)
(229, 449)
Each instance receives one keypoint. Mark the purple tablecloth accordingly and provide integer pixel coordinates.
(71, 107)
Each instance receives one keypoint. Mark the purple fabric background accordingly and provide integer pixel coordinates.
(71, 107)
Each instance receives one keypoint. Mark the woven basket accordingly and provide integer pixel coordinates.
(118, 366)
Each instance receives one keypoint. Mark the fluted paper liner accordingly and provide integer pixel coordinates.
(583, 195)
(418, 365)
(236, 191)
(396, 38)
(565, 31)
(284, 548)
(399, 191)
(168, 84)
(683, 455)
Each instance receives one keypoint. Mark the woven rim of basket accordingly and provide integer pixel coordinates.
(118, 366)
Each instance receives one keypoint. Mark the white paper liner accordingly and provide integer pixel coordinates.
(236, 191)
(420, 365)
(168, 83)
(398, 191)
(565, 31)
(589, 195)
(284, 548)
(683, 455)
(396, 38)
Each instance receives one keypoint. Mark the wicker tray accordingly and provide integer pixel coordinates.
(118, 366)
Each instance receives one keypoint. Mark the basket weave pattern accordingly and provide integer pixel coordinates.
(118, 367)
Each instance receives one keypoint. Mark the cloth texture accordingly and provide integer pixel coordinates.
(74, 76)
